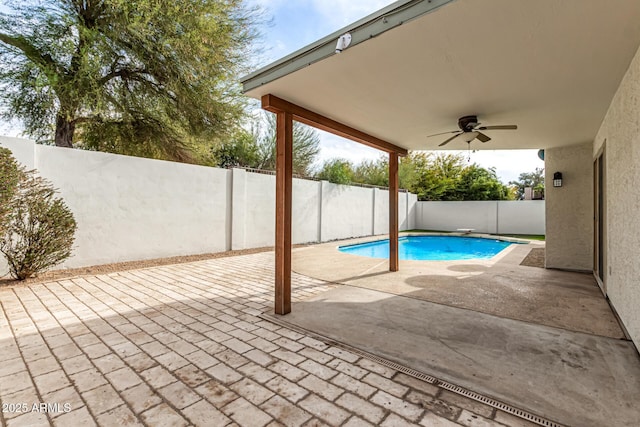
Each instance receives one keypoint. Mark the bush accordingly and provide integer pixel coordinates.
(38, 228)
(10, 174)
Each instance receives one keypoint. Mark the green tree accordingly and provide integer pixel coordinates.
(376, 172)
(410, 166)
(256, 147)
(478, 183)
(445, 177)
(437, 177)
(306, 144)
(533, 179)
(337, 171)
(141, 77)
(241, 150)
(372, 172)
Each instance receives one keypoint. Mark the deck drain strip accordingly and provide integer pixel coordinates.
(417, 374)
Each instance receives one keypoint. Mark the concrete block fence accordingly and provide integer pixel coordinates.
(322, 211)
(129, 208)
(495, 217)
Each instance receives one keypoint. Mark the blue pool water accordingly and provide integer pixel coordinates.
(431, 248)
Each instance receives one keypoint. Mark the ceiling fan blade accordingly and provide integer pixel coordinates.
(450, 139)
(443, 133)
(482, 137)
(498, 127)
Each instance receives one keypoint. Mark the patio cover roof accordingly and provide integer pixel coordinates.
(549, 66)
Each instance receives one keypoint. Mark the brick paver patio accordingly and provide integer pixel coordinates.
(183, 345)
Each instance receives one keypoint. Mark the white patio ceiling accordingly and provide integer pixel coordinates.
(549, 66)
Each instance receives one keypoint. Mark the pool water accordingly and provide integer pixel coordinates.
(431, 248)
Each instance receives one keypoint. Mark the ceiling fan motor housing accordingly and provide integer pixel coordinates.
(467, 123)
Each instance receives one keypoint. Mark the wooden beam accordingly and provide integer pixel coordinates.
(284, 185)
(393, 212)
(274, 104)
(286, 112)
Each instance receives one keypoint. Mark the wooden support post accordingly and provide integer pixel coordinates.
(286, 112)
(393, 211)
(284, 184)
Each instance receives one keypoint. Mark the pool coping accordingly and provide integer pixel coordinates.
(378, 238)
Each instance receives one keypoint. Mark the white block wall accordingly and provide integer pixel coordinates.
(306, 211)
(257, 214)
(346, 211)
(130, 208)
(412, 212)
(521, 217)
(381, 211)
(505, 217)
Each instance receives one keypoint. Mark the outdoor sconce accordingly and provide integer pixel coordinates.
(557, 179)
(343, 42)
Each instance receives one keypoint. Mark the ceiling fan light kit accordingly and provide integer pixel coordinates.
(470, 129)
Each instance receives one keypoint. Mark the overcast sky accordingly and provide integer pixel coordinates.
(298, 23)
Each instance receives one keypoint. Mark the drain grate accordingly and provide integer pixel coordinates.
(419, 375)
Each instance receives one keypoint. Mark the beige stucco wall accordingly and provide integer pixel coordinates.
(569, 209)
(621, 130)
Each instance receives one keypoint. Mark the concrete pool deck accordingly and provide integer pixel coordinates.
(540, 340)
(499, 286)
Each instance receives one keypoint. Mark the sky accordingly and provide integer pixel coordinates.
(295, 24)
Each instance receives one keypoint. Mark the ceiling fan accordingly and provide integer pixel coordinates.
(470, 129)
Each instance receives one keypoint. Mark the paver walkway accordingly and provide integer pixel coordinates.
(183, 345)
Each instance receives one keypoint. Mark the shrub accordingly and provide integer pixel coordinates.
(10, 174)
(39, 228)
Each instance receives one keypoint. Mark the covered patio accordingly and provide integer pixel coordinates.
(412, 70)
(538, 343)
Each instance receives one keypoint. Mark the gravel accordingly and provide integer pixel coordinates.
(50, 276)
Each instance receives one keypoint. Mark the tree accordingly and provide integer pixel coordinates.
(430, 176)
(410, 165)
(376, 172)
(533, 179)
(477, 183)
(337, 171)
(256, 147)
(142, 77)
(241, 150)
(437, 177)
(306, 144)
(372, 172)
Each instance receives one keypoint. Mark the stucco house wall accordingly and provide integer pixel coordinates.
(620, 135)
(569, 209)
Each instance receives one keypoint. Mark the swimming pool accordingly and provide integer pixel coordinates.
(431, 248)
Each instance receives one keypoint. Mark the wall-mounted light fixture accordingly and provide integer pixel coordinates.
(343, 42)
(557, 179)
